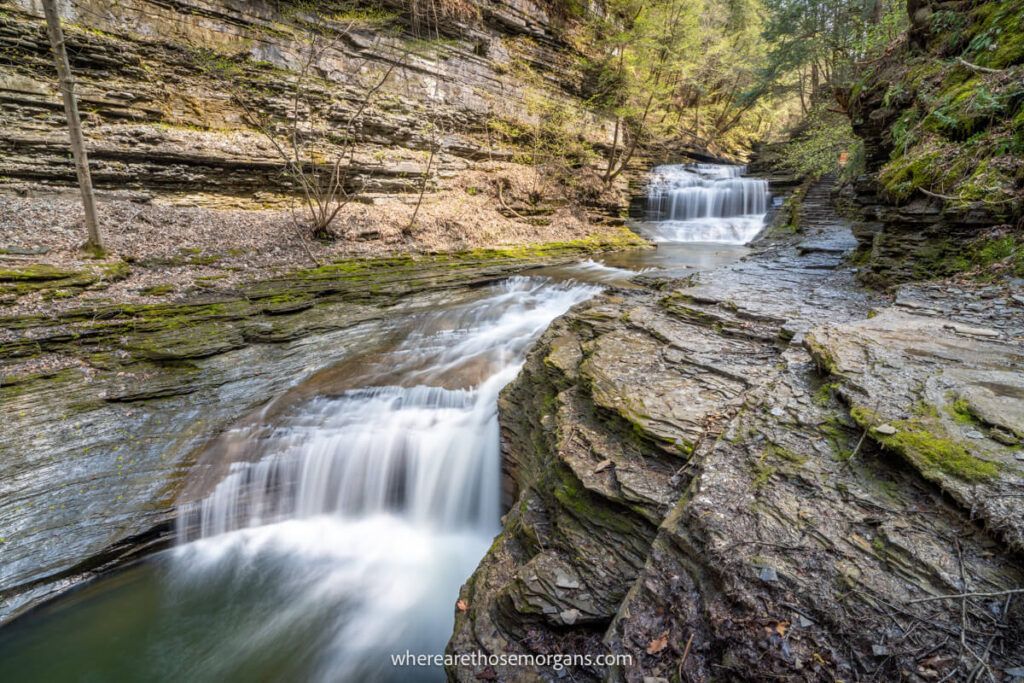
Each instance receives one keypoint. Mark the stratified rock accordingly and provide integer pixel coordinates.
(933, 390)
(746, 529)
(93, 455)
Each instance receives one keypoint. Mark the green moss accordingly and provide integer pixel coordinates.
(773, 450)
(956, 132)
(37, 272)
(923, 443)
(586, 506)
(822, 356)
(919, 168)
(115, 270)
(996, 39)
(762, 475)
(792, 209)
(157, 290)
(838, 435)
(960, 411)
(823, 396)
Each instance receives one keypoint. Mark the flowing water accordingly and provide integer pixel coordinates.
(705, 203)
(334, 527)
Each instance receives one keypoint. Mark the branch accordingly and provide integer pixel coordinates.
(955, 596)
(982, 69)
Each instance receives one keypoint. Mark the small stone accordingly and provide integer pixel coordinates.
(768, 575)
(885, 429)
(974, 434)
(569, 616)
(879, 650)
(566, 581)
(804, 622)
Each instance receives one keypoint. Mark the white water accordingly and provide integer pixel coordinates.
(705, 203)
(352, 525)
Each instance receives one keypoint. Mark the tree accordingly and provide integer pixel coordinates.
(312, 136)
(67, 88)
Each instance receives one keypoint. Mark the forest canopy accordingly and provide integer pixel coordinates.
(727, 75)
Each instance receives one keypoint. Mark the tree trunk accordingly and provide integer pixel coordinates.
(67, 89)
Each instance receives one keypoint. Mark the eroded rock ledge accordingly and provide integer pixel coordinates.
(690, 482)
(97, 446)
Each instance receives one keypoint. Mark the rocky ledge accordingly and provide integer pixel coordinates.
(100, 434)
(762, 472)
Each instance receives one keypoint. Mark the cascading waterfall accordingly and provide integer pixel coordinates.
(365, 510)
(428, 453)
(705, 203)
(333, 529)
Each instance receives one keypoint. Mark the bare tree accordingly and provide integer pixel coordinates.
(67, 88)
(436, 144)
(317, 151)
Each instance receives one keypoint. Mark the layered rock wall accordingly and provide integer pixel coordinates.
(160, 83)
(941, 118)
(741, 475)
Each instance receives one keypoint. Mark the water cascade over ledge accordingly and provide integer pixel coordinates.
(704, 203)
(331, 529)
(370, 505)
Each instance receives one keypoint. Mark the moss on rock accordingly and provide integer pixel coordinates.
(925, 444)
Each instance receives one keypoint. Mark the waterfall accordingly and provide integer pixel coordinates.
(427, 453)
(341, 530)
(422, 450)
(705, 203)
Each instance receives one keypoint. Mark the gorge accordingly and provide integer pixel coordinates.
(564, 381)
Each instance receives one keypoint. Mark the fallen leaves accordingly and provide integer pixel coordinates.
(658, 644)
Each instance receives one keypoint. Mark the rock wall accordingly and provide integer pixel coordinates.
(694, 481)
(943, 127)
(158, 84)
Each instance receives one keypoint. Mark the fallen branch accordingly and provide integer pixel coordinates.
(982, 69)
(961, 199)
(956, 596)
(501, 200)
(940, 196)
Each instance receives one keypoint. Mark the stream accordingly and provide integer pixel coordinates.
(333, 527)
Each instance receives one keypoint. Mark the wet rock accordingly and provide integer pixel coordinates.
(780, 542)
(934, 378)
(93, 456)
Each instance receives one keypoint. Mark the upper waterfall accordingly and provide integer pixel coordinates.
(705, 203)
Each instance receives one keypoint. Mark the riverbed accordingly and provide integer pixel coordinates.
(333, 528)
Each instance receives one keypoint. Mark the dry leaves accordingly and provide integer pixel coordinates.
(658, 644)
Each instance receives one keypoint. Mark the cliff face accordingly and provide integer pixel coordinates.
(736, 475)
(158, 84)
(942, 119)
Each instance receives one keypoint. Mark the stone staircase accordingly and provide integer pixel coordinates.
(824, 229)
